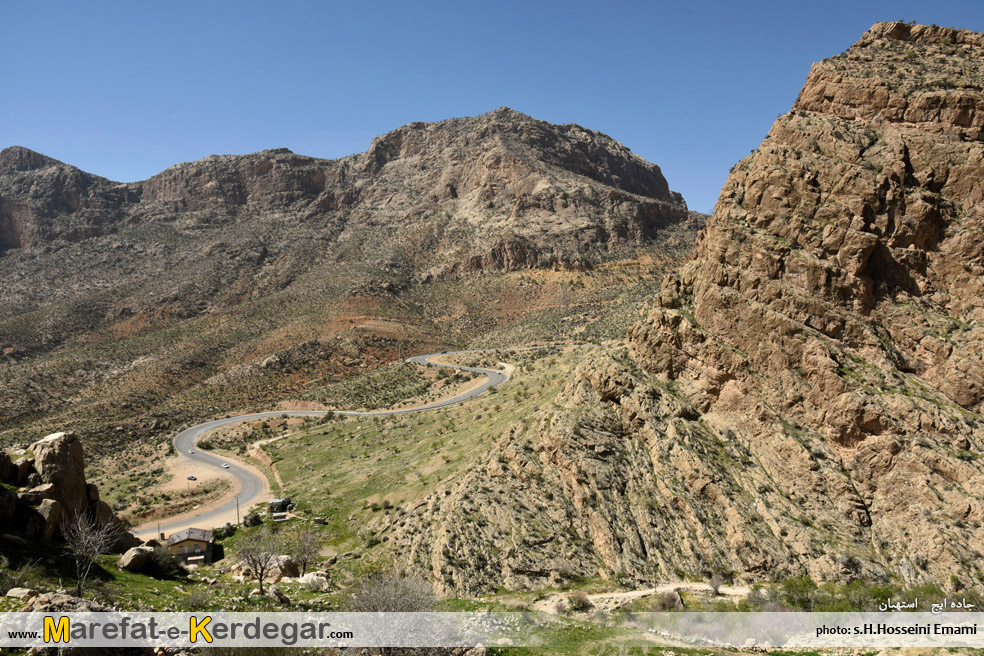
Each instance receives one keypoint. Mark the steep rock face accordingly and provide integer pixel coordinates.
(59, 462)
(805, 395)
(428, 198)
(42, 199)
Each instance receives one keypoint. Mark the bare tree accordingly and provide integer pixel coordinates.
(393, 593)
(86, 538)
(717, 580)
(259, 554)
(304, 544)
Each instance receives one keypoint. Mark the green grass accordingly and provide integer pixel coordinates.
(362, 471)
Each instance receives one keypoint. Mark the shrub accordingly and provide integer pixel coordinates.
(579, 601)
(163, 565)
(392, 593)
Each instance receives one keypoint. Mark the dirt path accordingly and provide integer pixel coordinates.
(610, 601)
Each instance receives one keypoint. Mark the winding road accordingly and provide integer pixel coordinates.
(252, 484)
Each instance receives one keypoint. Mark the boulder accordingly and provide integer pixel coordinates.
(8, 505)
(275, 593)
(15, 540)
(35, 495)
(135, 559)
(672, 601)
(58, 460)
(316, 581)
(30, 521)
(287, 567)
(4, 465)
(24, 594)
(53, 515)
(92, 492)
(124, 542)
(102, 513)
(20, 470)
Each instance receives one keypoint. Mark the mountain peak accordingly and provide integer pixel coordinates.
(916, 33)
(18, 158)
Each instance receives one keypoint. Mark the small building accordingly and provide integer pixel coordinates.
(280, 505)
(192, 545)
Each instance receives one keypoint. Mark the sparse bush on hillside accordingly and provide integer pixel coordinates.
(392, 593)
(579, 601)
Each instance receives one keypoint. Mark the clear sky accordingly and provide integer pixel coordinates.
(126, 89)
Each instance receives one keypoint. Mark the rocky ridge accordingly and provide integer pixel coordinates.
(805, 395)
(497, 191)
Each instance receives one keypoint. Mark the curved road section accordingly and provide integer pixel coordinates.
(251, 485)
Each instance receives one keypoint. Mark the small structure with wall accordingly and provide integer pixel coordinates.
(192, 545)
(278, 509)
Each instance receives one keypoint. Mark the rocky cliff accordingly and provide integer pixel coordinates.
(805, 395)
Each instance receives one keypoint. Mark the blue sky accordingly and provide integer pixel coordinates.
(127, 89)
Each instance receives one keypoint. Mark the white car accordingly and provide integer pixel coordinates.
(191, 450)
(225, 465)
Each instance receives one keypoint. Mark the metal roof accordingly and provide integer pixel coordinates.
(201, 534)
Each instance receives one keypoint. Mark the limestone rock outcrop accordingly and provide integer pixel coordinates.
(60, 494)
(805, 395)
(136, 558)
(59, 462)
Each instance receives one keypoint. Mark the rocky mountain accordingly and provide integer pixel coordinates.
(497, 191)
(116, 296)
(805, 395)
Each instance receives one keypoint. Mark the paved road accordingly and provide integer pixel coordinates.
(251, 485)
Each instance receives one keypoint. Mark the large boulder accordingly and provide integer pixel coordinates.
(125, 541)
(135, 559)
(58, 460)
(8, 505)
(286, 567)
(316, 581)
(53, 515)
(102, 513)
(4, 465)
(24, 594)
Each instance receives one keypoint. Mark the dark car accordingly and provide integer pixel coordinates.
(192, 478)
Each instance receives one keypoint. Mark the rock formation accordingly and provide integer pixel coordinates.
(60, 494)
(805, 395)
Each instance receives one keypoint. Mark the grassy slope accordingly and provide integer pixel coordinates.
(364, 474)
